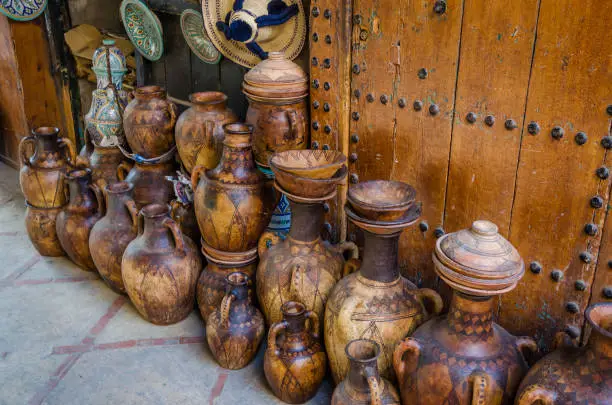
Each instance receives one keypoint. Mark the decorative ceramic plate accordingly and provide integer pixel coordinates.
(22, 10)
(143, 28)
(195, 35)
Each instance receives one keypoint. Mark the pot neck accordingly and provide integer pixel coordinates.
(380, 257)
(241, 309)
(205, 106)
(82, 197)
(149, 93)
(237, 164)
(156, 235)
(470, 316)
(306, 221)
(357, 375)
(115, 204)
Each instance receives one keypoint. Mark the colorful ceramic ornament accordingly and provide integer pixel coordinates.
(116, 62)
(104, 121)
(143, 28)
(22, 10)
(195, 35)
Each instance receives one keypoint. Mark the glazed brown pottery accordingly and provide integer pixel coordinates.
(310, 163)
(363, 384)
(277, 90)
(395, 198)
(234, 331)
(160, 268)
(111, 234)
(309, 188)
(464, 357)
(149, 121)
(103, 163)
(376, 302)
(295, 362)
(199, 130)
(41, 175)
(574, 375)
(74, 223)
(40, 224)
(232, 204)
(149, 181)
(184, 215)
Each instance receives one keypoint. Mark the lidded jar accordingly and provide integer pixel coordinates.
(464, 354)
(115, 60)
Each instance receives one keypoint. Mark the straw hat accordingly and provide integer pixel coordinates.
(245, 31)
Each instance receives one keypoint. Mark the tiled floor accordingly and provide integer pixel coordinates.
(65, 338)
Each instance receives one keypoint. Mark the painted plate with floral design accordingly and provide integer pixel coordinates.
(22, 10)
(143, 28)
(196, 37)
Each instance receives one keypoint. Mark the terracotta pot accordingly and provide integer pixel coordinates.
(376, 302)
(41, 175)
(149, 121)
(199, 130)
(40, 224)
(149, 181)
(231, 203)
(111, 234)
(295, 362)
(363, 383)
(303, 267)
(74, 223)
(184, 215)
(571, 374)
(234, 331)
(464, 357)
(103, 163)
(160, 268)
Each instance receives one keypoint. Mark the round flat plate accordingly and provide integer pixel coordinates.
(22, 10)
(143, 28)
(195, 35)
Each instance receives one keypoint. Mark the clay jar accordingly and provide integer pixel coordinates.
(41, 175)
(234, 331)
(199, 130)
(111, 234)
(149, 121)
(363, 383)
(40, 224)
(571, 374)
(103, 163)
(277, 90)
(464, 357)
(160, 268)
(149, 181)
(295, 362)
(231, 203)
(78, 217)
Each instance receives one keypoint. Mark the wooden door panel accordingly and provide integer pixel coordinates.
(570, 87)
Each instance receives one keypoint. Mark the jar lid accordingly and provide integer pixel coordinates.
(116, 58)
(276, 77)
(478, 261)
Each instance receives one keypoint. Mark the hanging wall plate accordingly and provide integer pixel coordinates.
(143, 28)
(22, 10)
(195, 35)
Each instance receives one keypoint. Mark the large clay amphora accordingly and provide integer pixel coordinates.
(160, 268)
(41, 174)
(199, 130)
(111, 234)
(75, 222)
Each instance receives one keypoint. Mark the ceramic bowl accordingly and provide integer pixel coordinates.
(22, 10)
(381, 200)
(309, 163)
(409, 218)
(192, 26)
(306, 187)
(143, 28)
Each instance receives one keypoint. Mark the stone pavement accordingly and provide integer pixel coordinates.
(65, 338)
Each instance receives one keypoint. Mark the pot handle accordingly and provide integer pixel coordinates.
(480, 388)
(425, 295)
(275, 329)
(133, 211)
(99, 198)
(225, 307)
(527, 347)
(536, 394)
(122, 170)
(72, 156)
(22, 152)
(195, 176)
(375, 394)
(140, 223)
(353, 263)
(179, 242)
(209, 136)
(410, 346)
(293, 123)
(314, 323)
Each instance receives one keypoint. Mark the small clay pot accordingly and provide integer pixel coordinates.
(149, 181)
(295, 354)
(160, 268)
(235, 330)
(78, 217)
(40, 224)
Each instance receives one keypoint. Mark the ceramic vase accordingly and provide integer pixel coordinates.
(149, 181)
(109, 59)
(78, 217)
(235, 329)
(160, 268)
(41, 174)
(363, 384)
(149, 121)
(113, 232)
(295, 361)
(40, 224)
(104, 120)
(572, 374)
(231, 203)
(199, 130)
